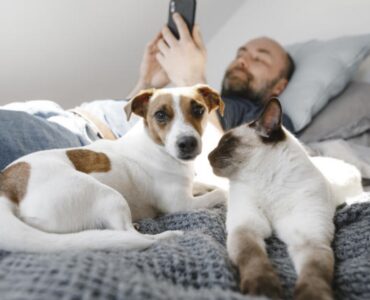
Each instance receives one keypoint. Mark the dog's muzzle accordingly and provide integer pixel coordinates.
(188, 147)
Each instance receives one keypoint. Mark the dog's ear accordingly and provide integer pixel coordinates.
(139, 103)
(211, 97)
(269, 121)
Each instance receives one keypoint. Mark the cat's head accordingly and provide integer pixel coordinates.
(248, 145)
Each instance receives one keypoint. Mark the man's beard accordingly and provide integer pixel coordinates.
(233, 86)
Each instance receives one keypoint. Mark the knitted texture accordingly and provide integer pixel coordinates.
(193, 266)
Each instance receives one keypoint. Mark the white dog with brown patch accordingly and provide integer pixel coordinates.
(55, 200)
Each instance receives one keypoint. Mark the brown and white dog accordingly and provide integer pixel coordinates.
(48, 198)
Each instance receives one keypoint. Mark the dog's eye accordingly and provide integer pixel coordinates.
(161, 116)
(198, 110)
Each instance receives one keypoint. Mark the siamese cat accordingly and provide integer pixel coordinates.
(276, 187)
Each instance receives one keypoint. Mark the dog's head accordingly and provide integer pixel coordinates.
(176, 117)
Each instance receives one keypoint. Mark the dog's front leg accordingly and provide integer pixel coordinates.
(200, 188)
(209, 199)
(186, 201)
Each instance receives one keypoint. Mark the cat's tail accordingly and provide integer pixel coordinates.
(16, 235)
(345, 179)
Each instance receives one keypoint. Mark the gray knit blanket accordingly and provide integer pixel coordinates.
(194, 266)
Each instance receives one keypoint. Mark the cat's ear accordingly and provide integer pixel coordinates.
(269, 122)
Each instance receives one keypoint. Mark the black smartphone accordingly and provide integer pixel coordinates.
(186, 8)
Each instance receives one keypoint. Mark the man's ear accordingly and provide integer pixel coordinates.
(139, 103)
(279, 87)
(269, 121)
(211, 97)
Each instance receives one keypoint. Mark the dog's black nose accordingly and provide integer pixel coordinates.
(187, 144)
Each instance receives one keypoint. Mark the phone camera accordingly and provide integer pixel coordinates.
(172, 7)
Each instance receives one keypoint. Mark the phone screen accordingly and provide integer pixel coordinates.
(186, 8)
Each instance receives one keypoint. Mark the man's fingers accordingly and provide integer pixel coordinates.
(168, 36)
(197, 36)
(160, 58)
(181, 27)
(162, 46)
(155, 40)
(151, 47)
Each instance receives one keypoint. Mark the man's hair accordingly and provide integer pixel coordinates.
(288, 71)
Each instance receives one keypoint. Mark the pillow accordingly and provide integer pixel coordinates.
(347, 116)
(323, 69)
(22, 133)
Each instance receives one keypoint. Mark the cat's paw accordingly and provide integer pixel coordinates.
(265, 283)
(313, 289)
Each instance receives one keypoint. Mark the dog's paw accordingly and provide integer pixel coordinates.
(265, 283)
(169, 234)
(220, 197)
(200, 189)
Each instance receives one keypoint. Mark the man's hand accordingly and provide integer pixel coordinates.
(184, 60)
(152, 74)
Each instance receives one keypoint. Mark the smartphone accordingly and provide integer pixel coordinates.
(186, 8)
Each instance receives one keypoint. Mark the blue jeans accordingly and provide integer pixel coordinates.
(22, 133)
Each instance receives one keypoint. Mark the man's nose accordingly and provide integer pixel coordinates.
(243, 62)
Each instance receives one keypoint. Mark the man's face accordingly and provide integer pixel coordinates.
(255, 70)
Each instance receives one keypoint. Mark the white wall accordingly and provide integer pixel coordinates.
(71, 51)
(287, 21)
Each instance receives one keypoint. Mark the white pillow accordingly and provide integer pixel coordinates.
(323, 69)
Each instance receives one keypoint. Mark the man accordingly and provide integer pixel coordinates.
(260, 70)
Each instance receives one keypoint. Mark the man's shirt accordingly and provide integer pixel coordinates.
(240, 110)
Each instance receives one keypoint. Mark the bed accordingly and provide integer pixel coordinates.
(194, 266)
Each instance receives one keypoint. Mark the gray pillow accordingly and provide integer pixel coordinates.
(345, 117)
(323, 69)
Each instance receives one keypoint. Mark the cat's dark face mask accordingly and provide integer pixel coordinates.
(223, 157)
(239, 146)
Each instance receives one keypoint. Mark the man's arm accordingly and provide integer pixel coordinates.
(152, 74)
(183, 59)
(183, 64)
